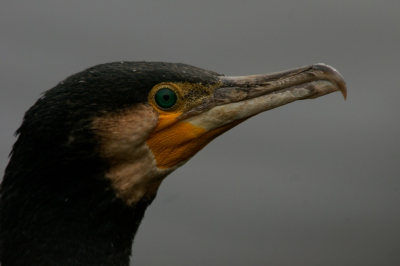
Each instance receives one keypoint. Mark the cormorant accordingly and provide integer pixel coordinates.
(92, 151)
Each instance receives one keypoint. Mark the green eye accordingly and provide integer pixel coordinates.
(165, 98)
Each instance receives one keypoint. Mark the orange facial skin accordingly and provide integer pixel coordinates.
(175, 142)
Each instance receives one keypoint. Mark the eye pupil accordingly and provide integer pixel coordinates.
(165, 98)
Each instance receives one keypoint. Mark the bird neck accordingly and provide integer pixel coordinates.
(64, 215)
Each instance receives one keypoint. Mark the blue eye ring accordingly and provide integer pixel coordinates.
(165, 97)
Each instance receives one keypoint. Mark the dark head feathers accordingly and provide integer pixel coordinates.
(130, 82)
(67, 110)
(111, 87)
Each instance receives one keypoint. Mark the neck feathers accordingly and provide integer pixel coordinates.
(61, 210)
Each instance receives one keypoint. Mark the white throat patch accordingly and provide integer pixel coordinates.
(133, 169)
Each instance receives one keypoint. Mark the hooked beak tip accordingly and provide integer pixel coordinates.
(334, 76)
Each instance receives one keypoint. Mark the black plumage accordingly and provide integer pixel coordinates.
(54, 188)
(56, 205)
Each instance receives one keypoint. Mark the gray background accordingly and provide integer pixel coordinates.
(316, 182)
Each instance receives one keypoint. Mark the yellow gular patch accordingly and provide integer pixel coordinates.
(174, 142)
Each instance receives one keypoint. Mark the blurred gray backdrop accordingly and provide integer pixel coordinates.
(316, 182)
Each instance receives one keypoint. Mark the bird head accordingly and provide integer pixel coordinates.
(145, 119)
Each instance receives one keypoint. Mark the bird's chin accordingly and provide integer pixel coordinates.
(175, 144)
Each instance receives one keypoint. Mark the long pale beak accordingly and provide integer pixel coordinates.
(233, 100)
(239, 98)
